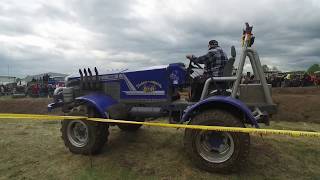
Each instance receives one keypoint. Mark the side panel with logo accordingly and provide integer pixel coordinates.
(150, 84)
(177, 74)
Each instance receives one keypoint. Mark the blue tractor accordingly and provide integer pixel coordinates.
(148, 93)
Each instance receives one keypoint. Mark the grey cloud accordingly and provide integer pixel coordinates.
(287, 33)
(11, 28)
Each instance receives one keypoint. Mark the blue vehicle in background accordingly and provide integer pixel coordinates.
(147, 93)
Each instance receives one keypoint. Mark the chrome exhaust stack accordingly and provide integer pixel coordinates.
(97, 84)
(91, 83)
(81, 79)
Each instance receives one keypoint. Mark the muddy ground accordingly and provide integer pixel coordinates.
(294, 104)
(297, 104)
(35, 150)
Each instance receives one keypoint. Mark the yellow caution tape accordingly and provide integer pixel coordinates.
(184, 126)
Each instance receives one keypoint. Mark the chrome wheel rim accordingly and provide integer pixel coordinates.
(215, 147)
(78, 133)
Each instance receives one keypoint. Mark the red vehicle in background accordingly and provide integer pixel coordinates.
(34, 87)
(316, 78)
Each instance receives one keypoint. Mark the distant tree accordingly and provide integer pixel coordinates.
(313, 68)
(265, 68)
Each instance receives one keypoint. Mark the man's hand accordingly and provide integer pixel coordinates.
(190, 56)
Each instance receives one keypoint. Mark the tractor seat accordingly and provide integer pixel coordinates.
(227, 70)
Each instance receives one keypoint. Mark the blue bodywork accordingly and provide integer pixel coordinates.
(99, 101)
(221, 99)
(146, 83)
(151, 84)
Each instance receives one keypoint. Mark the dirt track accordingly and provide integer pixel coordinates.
(24, 105)
(297, 104)
(294, 104)
(34, 150)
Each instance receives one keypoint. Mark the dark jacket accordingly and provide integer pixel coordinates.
(214, 61)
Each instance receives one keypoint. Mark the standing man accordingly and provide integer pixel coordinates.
(214, 62)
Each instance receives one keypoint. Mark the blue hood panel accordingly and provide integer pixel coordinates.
(151, 83)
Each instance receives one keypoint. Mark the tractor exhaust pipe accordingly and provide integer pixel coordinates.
(86, 79)
(90, 79)
(81, 79)
(97, 84)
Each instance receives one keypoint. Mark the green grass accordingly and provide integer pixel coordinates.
(34, 150)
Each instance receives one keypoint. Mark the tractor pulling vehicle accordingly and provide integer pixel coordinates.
(140, 95)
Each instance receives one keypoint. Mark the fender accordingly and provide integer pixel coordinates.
(227, 100)
(99, 101)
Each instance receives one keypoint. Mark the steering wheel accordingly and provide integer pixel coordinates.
(195, 63)
(190, 71)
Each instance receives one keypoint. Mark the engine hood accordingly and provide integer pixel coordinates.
(103, 72)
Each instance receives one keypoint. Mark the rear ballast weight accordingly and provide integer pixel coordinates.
(144, 94)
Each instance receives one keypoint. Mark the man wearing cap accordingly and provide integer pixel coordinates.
(214, 62)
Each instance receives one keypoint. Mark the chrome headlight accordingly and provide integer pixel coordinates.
(57, 94)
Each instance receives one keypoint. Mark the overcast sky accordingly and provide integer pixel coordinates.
(39, 36)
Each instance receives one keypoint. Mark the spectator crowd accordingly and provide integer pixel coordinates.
(277, 79)
(35, 88)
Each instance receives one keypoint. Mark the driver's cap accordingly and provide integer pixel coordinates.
(213, 43)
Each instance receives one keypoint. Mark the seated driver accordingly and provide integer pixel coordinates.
(214, 62)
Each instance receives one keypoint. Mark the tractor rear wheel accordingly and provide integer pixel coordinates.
(216, 151)
(81, 136)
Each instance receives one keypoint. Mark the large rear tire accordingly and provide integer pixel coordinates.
(217, 151)
(81, 136)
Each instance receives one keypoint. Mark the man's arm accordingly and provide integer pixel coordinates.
(202, 59)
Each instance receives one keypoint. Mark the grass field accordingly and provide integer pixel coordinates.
(34, 150)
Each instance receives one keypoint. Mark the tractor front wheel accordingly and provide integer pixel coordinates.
(216, 151)
(84, 137)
